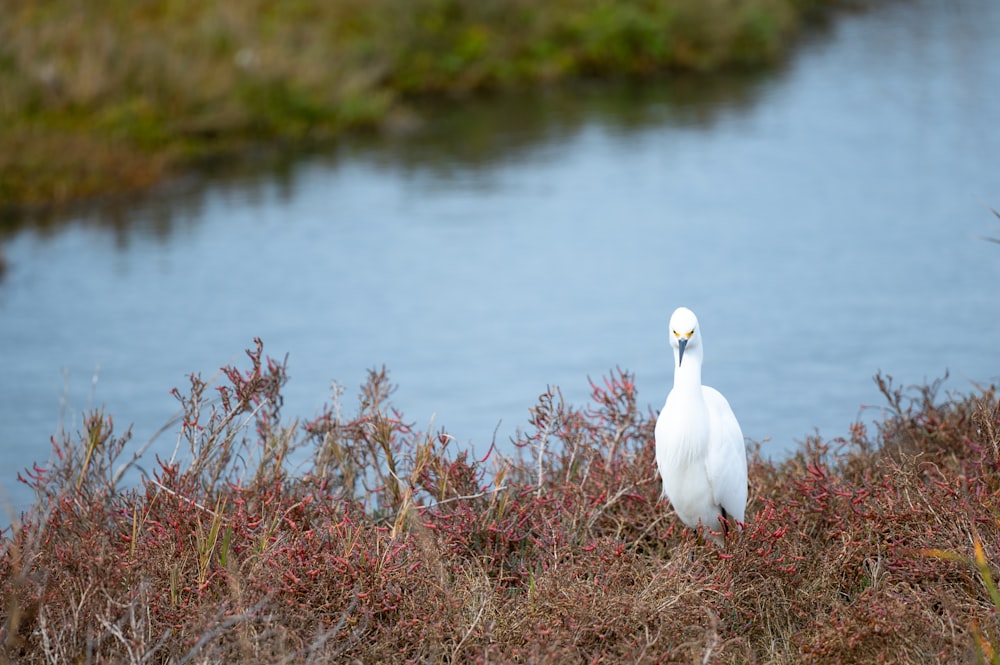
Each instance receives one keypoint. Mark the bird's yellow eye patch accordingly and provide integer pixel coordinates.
(686, 335)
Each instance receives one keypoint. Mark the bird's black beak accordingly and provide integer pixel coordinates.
(681, 344)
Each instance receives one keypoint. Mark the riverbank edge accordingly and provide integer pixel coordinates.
(66, 144)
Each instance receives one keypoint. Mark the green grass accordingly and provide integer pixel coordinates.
(99, 97)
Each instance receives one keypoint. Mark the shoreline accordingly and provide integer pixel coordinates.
(147, 96)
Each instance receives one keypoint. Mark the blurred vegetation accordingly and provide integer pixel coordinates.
(98, 97)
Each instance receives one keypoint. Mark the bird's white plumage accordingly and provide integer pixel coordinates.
(699, 445)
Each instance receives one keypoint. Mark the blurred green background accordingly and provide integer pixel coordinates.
(101, 97)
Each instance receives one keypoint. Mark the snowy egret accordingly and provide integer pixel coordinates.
(699, 444)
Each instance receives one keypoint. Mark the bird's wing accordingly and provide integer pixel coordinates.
(726, 462)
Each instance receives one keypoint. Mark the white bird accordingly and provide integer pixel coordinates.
(699, 445)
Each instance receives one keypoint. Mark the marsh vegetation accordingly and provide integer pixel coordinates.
(389, 544)
(98, 98)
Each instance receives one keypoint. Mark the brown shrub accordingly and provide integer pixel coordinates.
(392, 546)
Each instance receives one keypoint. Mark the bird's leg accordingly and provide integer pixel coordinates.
(721, 536)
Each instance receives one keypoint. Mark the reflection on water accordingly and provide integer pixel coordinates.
(483, 133)
(823, 220)
(443, 138)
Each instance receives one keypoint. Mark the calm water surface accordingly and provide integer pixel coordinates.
(825, 221)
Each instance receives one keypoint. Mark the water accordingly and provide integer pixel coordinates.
(824, 220)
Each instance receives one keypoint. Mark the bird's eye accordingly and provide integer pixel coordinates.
(676, 334)
(691, 332)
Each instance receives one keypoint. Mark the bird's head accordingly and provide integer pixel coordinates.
(683, 331)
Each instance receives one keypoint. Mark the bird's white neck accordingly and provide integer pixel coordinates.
(688, 374)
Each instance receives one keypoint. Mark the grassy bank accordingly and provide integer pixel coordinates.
(100, 97)
(391, 545)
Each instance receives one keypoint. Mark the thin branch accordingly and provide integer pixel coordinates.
(462, 498)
